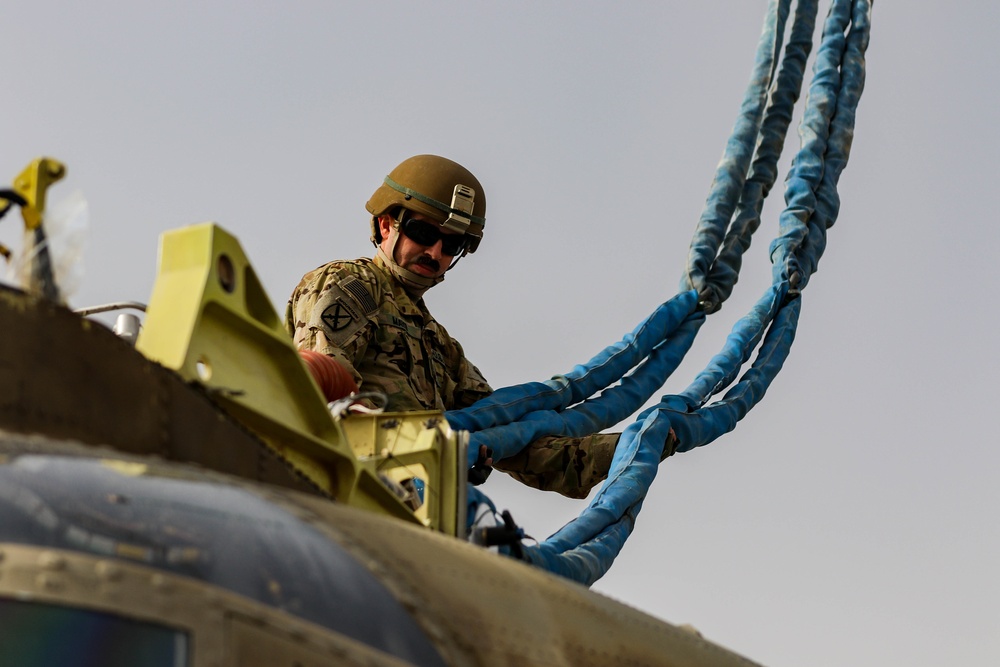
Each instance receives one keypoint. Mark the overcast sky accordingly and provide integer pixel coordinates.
(851, 518)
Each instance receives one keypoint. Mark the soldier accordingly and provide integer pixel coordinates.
(369, 316)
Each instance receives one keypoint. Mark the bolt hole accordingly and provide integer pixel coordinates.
(204, 369)
(227, 274)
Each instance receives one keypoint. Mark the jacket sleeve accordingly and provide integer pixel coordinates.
(471, 385)
(566, 465)
(569, 466)
(316, 320)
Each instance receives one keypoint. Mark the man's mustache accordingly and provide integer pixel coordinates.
(429, 262)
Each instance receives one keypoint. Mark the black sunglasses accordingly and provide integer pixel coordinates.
(427, 234)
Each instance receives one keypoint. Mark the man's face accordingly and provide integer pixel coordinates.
(424, 260)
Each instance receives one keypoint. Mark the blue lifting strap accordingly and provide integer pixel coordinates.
(622, 378)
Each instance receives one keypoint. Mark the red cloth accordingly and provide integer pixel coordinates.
(334, 380)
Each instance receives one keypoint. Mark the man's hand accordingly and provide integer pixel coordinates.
(670, 446)
(483, 466)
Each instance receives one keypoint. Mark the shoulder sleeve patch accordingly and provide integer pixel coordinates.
(343, 310)
(356, 288)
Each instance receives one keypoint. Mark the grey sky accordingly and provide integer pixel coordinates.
(852, 517)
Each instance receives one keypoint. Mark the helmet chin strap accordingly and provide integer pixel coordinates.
(414, 283)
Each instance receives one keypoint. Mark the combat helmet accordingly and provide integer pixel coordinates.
(437, 187)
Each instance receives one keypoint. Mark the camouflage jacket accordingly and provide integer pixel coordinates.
(357, 313)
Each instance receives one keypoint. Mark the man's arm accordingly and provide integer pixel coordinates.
(566, 465)
(471, 385)
(323, 316)
(569, 466)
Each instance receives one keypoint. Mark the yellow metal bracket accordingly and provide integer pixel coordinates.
(33, 183)
(417, 446)
(210, 320)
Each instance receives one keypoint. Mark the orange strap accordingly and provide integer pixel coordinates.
(333, 379)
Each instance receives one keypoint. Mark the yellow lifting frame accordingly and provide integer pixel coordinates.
(210, 320)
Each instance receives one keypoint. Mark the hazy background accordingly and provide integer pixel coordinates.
(851, 519)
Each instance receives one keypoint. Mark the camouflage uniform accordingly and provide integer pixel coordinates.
(357, 313)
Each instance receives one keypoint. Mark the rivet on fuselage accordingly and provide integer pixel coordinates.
(51, 561)
(108, 571)
(48, 581)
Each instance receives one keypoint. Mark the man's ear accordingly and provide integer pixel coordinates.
(385, 223)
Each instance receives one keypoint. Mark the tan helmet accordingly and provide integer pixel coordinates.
(442, 190)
